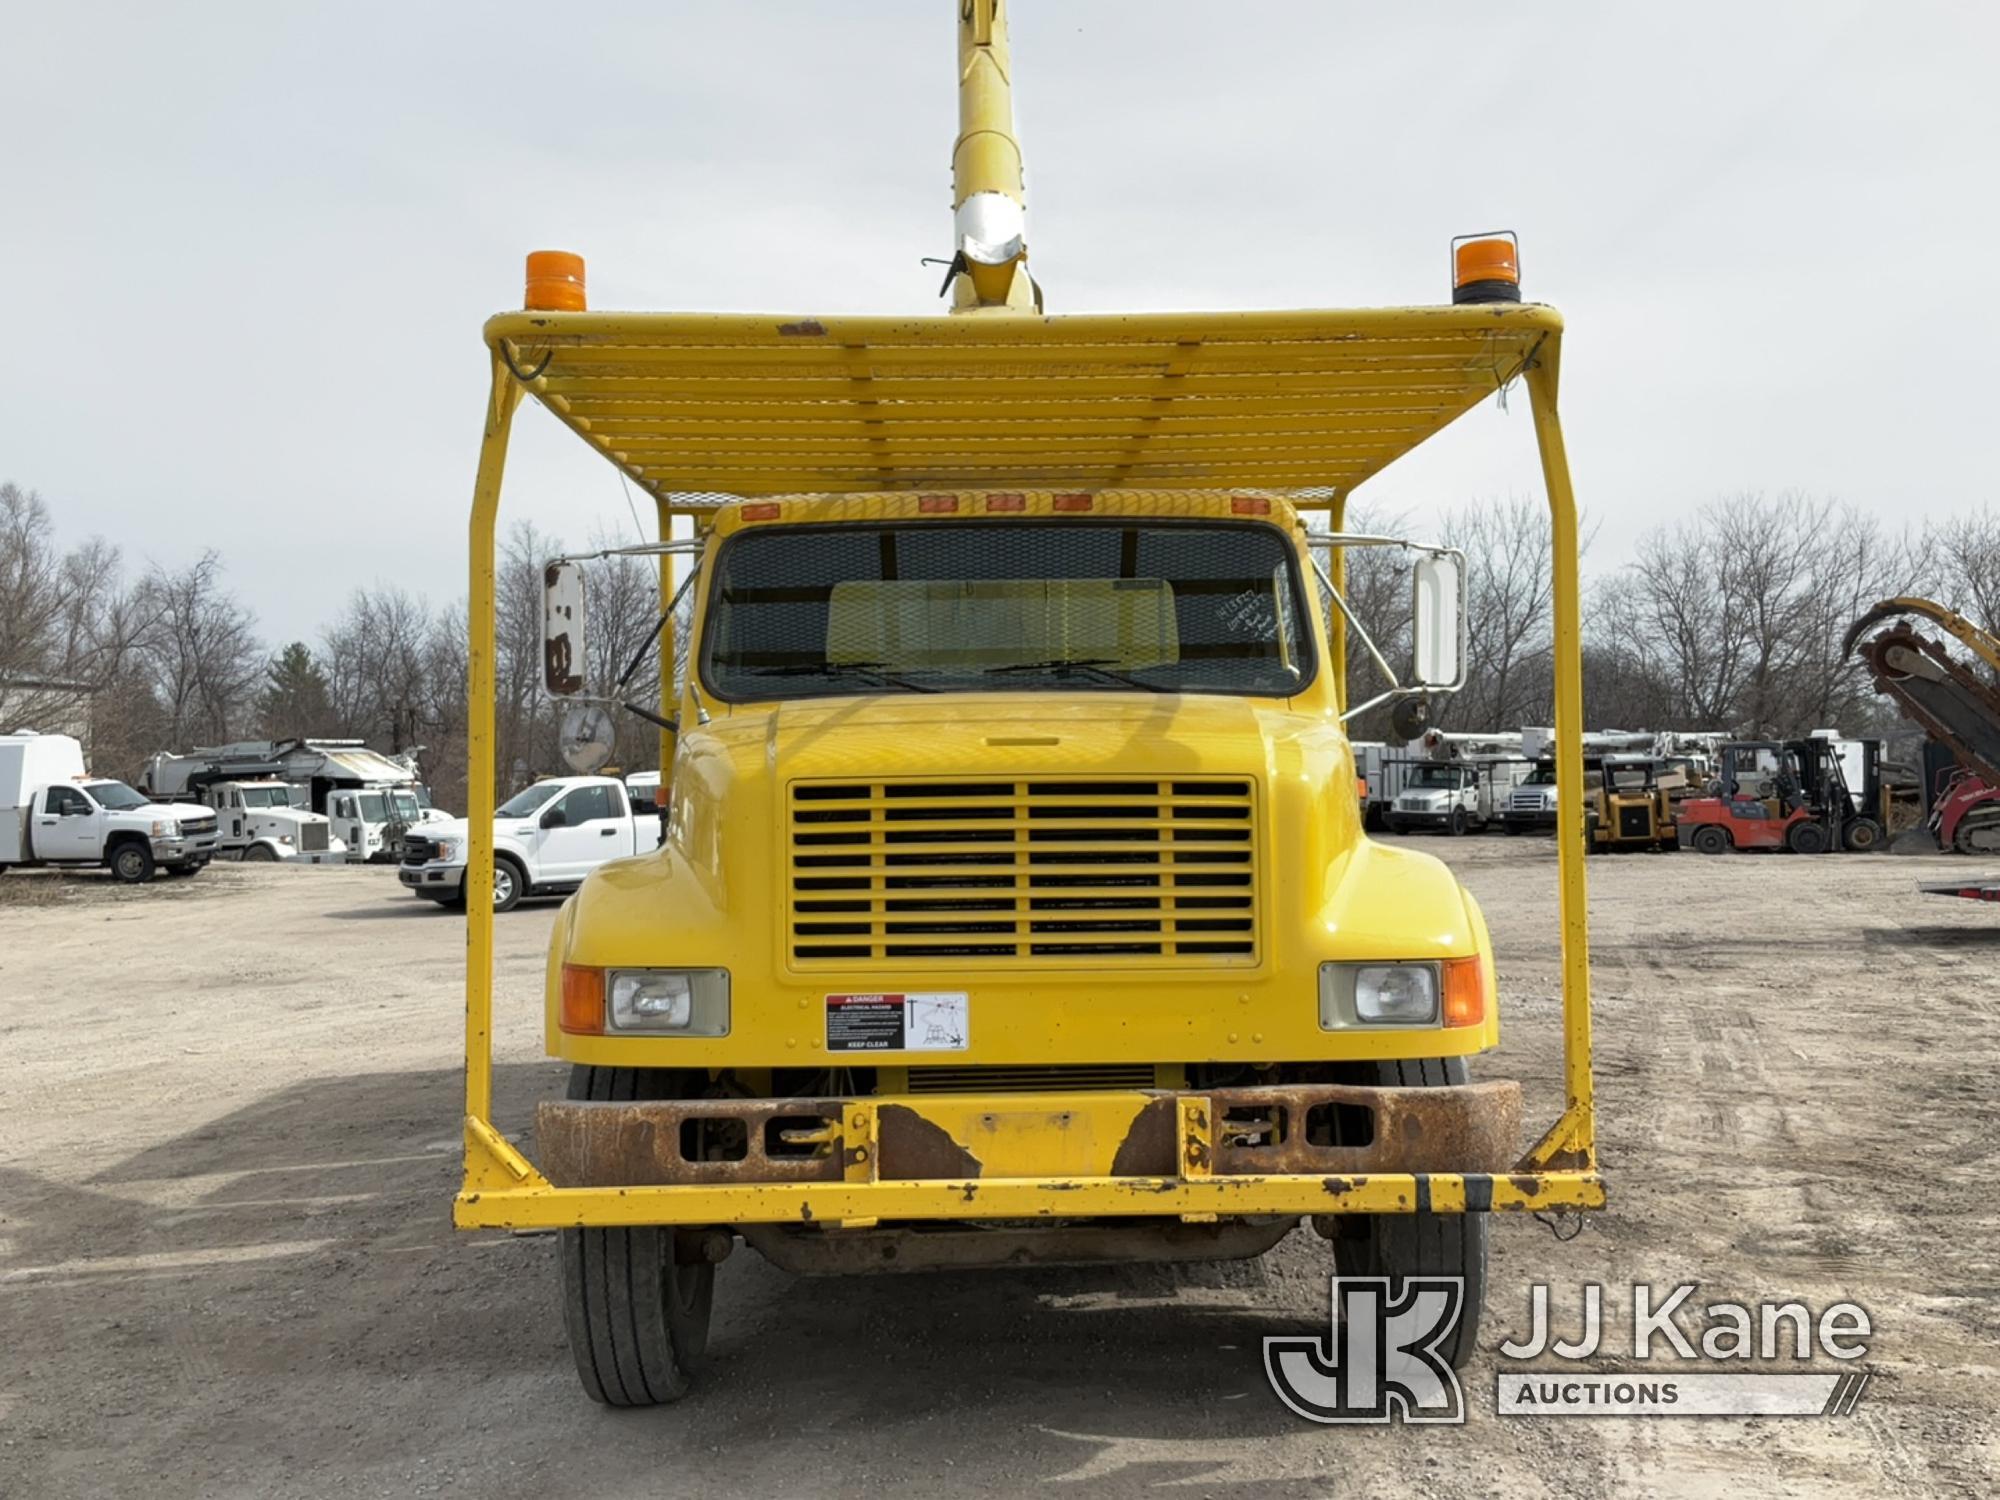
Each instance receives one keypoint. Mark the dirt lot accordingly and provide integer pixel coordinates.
(227, 1267)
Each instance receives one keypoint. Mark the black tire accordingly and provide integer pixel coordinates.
(262, 854)
(510, 883)
(1863, 836)
(1457, 824)
(181, 872)
(1423, 1244)
(637, 1319)
(1806, 837)
(132, 862)
(1515, 828)
(1710, 838)
(1393, 825)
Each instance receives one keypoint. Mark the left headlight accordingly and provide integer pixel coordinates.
(685, 1002)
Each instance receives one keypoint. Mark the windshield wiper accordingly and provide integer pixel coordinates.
(1096, 667)
(874, 671)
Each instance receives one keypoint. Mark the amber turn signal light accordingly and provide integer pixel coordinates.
(1486, 268)
(1464, 992)
(582, 999)
(555, 282)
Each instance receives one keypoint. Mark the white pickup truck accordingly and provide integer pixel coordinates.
(53, 813)
(545, 840)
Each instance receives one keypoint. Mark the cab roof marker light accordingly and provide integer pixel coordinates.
(1249, 505)
(1006, 502)
(1071, 502)
(1486, 267)
(767, 511)
(936, 505)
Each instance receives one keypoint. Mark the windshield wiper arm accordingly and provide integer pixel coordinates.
(874, 671)
(1098, 667)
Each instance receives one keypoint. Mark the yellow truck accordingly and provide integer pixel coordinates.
(1014, 904)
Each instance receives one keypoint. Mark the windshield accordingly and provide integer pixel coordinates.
(372, 810)
(525, 802)
(267, 796)
(1541, 776)
(114, 795)
(1147, 605)
(423, 796)
(1437, 776)
(403, 807)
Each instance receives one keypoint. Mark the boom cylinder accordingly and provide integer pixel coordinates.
(989, 204)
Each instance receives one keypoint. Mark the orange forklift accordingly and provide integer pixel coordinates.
(1787, 794)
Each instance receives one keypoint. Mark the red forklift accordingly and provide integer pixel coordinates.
(1788, 794)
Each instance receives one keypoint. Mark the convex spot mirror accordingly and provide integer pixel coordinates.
(1437, 632)
(563, 623)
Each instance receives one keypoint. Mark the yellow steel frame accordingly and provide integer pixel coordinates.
(766, 405)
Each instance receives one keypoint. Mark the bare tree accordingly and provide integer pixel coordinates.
(201, 652)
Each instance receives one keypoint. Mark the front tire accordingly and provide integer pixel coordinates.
(262, 854)
(1864, 836)
(132, 863)
(1400, 1246)
(637, 1318)
(1806, 837)
(509, 884)
(1458, 823)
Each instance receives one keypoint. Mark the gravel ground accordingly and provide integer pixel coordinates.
(227, 1266)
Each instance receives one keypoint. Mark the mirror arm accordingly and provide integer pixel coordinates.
(1355, 625)
(660, 721)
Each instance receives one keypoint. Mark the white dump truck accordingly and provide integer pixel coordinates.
(53, 812)
(545, 838)
(370, 799)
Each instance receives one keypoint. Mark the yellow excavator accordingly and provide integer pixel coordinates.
(1014, 904)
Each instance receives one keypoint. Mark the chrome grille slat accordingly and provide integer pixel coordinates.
(1120, 870)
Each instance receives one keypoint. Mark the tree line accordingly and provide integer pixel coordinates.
(1729, 618)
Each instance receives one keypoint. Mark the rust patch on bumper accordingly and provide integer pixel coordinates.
(612, 1144)
(913, 1149)
(1302, 1130)
(1148, 1147)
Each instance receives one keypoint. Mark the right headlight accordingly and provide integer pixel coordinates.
(674, 1002)
(1452, 992)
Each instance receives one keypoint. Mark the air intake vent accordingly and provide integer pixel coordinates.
(1030, 1080)
(1087, 871)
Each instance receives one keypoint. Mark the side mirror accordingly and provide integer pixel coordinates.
(1438, 621)
(563, 628)
(555, 817)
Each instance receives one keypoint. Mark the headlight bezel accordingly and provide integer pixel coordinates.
(1460, 991)
(708, 1007)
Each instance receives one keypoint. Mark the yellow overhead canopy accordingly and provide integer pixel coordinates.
(750, 404)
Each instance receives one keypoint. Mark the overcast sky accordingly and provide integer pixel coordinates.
(247, 248)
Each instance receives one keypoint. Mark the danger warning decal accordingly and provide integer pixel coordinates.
(933, 1022)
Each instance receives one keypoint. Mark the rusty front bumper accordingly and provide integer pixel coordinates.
(1305, 1149)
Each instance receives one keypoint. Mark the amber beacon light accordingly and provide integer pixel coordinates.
(1486, 268)
(555, 282)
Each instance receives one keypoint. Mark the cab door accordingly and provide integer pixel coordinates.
(68, 825)
(588, 826)
(345, 815)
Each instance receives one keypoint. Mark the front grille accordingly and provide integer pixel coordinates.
(1635, 822)
(197, 825)
(1123, 871)
(996, 1080)
(1525, 802)
(312, 837)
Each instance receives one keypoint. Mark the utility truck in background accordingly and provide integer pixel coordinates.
(546, 839)
(53, 812)
(369, 800)
(1014, 904)
(1460, 783)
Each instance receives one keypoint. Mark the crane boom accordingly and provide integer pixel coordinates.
(989, 204)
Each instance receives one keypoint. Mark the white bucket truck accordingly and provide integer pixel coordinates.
(52, 812)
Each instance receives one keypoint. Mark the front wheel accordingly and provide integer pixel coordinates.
(1806, 837)
(508, 886)
(1401, 1246)
(636, 1314)
(132, 863)
(262, 854)
(1458, 823)
(1863, 836)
